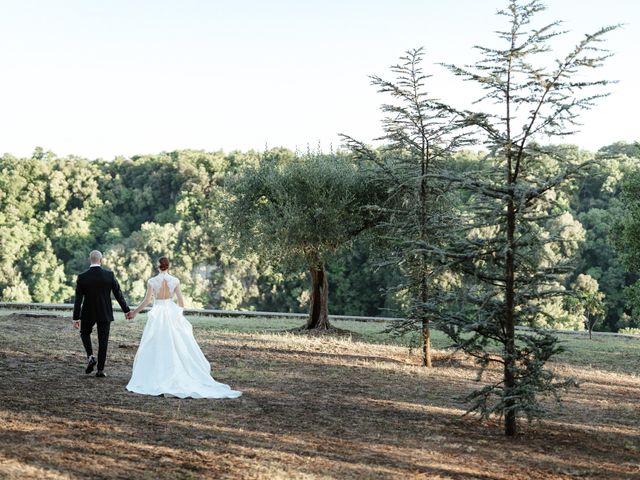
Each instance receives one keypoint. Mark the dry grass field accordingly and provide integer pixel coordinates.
(318, 407)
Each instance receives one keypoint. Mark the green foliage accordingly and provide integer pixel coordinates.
(420, 136)
(360, 285)
(297, 210)
(597, 205)
(516, 238)
(532, 380)
(630, 331)
(60, 200)
(53, 211)
(626, 240)
(587, 301)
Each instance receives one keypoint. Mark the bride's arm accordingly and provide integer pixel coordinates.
(147, 299)
(179, 296)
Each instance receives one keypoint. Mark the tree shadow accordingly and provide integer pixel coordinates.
(303, 412)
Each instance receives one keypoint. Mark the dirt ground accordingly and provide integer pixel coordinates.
(312, 408)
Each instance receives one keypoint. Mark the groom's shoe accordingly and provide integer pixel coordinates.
(91, 364)
(100, 374)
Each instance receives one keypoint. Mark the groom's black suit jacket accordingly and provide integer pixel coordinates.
(93, 294)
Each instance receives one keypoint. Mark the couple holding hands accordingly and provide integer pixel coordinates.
(169, 361)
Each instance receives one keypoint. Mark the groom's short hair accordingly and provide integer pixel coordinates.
(95, 256)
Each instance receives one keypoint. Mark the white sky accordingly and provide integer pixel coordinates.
(122, 77)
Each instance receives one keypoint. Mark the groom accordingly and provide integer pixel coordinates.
(93, 294)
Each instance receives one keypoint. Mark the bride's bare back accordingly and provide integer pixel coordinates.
(164, 293)
(163, 286)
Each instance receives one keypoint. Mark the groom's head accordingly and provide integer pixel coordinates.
(95, 257)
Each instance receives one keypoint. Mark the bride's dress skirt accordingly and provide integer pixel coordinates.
(169, 360)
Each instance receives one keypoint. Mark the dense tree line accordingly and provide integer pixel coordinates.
(54, 210)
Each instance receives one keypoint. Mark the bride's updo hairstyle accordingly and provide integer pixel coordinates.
(163, 263)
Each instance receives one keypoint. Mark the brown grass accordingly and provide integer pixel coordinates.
(313, 408)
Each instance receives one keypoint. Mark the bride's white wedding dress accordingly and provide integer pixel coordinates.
(169, 360)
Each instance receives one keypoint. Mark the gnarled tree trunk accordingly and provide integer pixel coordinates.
(319, 307)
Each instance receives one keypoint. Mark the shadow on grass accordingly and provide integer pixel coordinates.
(304, 412)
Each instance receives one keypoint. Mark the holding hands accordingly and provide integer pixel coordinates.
(130, 315)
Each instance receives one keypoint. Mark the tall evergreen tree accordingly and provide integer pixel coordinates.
(504, 244)
(420, 138)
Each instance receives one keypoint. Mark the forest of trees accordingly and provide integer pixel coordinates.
(53, 211)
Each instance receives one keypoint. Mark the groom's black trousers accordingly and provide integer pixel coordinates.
(86, 326)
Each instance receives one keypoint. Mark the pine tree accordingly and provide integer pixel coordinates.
(504, 243)
(420, 135)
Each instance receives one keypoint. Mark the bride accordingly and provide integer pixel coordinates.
(169, 360)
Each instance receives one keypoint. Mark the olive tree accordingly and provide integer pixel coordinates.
(296, 211)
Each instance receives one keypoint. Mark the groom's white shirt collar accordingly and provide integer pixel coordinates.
(95, 265)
